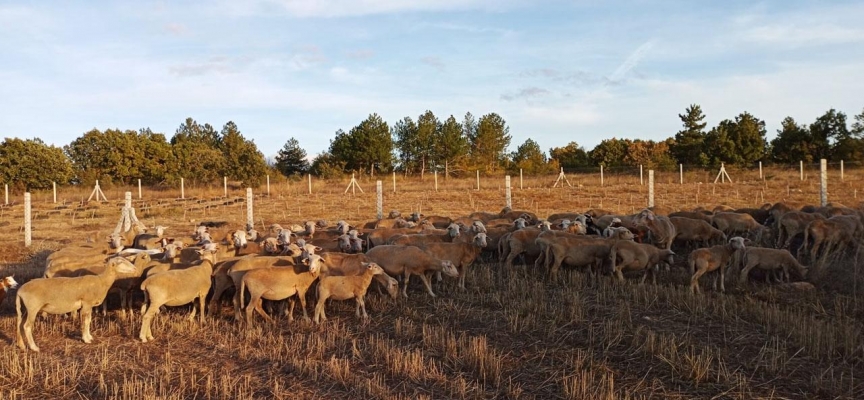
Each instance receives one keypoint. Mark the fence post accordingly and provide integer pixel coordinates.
(139, 189)
(436, 180)
(478, 179)
(760, 171)
(379, 207)
(681, 173)
(520, 178)
(182, 189)
(28, 234)
(224, 186)
(54, 187)
(650, 188)
(641, 181)
(250, 220)
(310, 183)
(268, 185)
(801, 164)
(127, 199)
(6, 186)
(841, 170)
(823, 182)
(394, 181)
(507, 191)
(601, 174)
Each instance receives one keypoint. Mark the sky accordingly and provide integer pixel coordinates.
(556, 71)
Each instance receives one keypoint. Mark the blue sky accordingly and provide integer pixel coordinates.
(556, 71)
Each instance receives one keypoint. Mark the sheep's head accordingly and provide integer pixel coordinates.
(527, 217)
(115, 241)
(121, 265)
(271, 246)
(447, 268)
(9, 282)
(284, 237)
(415, 217)
(275, 228)
(314, 263)
(373, 268)
(478, 227)
(394, 214)
(504, 211)
(199, 230)
(480, 240)
(322, 223)
(646, 215)
(310, 227)
(342, 227)
(545, 226)
(737, 243)
(453, 230)
(392, 287)
(239, 239)
(356, 245)
(616, 222)
(520, 223)
(344, 243)
(160, 230)
(565, 223)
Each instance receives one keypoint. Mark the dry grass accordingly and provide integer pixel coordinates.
(511, 334)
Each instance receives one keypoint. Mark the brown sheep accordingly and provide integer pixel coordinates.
(696, 231)
(791, 224)
(662, 230)
(380, 236)
(711, 259)
(410, 260)
(637, 256)
(577, 251)
(521, 242)
(342, 264)
(277, 283)
(834, 234)
(344, 288)
(770, 260)
(691, 215)
(462, 255)
(733, 223)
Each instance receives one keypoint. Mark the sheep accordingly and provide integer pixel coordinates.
(636, 256)
(341, 264)
(662, 230)
(176, 288)
(733, 223)
(408, 260)
(71, 261)
(246, 264)
(277, 283)
(462, 255)
(380, 236)
(521, 242)
(692, 215)
(576, 251)
(834, 234)
(791, 224)
(693, 230)
(770, 260)
(702, 261)
(65, 295)
(344, 288)
(416, 239)
(7, 283)
(147, 241)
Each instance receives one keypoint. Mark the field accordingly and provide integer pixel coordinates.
(511, 334)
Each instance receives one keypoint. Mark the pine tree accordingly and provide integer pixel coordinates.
(491, 140)
(451, 144)
(291, 159)
(689, 142)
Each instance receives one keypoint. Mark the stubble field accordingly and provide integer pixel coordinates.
(511, 334)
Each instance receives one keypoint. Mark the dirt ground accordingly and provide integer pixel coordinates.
(511, 334)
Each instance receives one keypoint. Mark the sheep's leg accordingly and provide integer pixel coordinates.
(290, 312)
(218, 290)
(146, 319)
(462, 273)
(86, 317)
(745, 273)
(236, 301)
(192, 313)
(302, 295)
(19, 338)
(438, 276)
(319, 308)
(694, 281)
(722, 280)
(361, 306)
(427, 284)
(28, 331)
(407, 279)
(256, 304)
(202, 298)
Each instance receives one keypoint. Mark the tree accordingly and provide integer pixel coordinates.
(326, 166)
(197, 150)
(291, 159)
(404, 134)
(571, 156)
(451, 144)
(718, 146)
(366, 146)
(738, 142)
(827, 131)
(490, 142)
(427, 128)
(610, 152)
(689, 142)
(31, 164)
(469, 127)
(793, 143)
(858, 126)
(529, 158)
(242, 160)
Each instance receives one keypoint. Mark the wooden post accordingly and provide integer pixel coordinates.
(28, 234)
(54, 187)
(139, 189)
(268, 185)
(601, 174)
(250, 220)
(127, 199)
(520, 178)
(760, 171)
(478, 179)
(681, 174)
(224, 186)
(722, 175)
(310, 183)
(379, 206)
(436, 180)
(641, 181)
(6, 187)
(353, 190)
(507, 191)
(182, 189)
(823, 182)
(394, 181)
(650, 188)
(841, 170)
(801, 163)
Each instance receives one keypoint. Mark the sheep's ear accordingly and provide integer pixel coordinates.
(318, 248)
(366, 264)
(305, 261)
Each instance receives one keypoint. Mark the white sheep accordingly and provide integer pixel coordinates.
(277, 283)
(344, 288)
(65, 295)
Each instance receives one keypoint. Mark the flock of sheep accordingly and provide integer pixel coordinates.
(344, 260)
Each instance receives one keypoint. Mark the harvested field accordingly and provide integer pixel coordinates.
(511, 334)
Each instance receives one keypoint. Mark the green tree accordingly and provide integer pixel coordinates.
(718, 146)
(121, 156)
(242, 160)
(469, 127)
(31, 164)
(793, 143)
(404, 134)
(739, 142)
(367, 146)
(571, 156)
(688, 148)
(291, 159)
(197, 151)
(827, 131)
(490, 142)
(858, 126)
(451, 144)
(530, 158)
(427, 128)
(326, 166)
(610, 152)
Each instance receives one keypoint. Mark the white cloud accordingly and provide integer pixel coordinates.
(631, 62)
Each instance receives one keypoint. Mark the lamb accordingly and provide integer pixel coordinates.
(277, 283)
(638, 256)
(733, 223)
(176, 288)
(344, 288)
(770, 260)
(408, 260)
(694, 230)
(711, 259)
(7, 283)
(65, 295)
(340, 264)
(242, 266)
(791, 224)
(462, 255)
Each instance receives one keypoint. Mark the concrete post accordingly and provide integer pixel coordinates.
(650, 188)
(182, 189)
(268, 185)
(507, 191)
(250, 220)
(224, 186)
(478, 179)
(801, 164)
(760, 171)
(139, 189)
(823, 182)
(641, 181)
(601, 174)
(127, 199)
(54, 187)
(28, 234)
(310, 183)
(379, 206)
(681, 174)
(436, 180)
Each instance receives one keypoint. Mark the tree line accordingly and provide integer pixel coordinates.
(201, 154)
